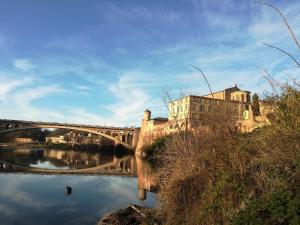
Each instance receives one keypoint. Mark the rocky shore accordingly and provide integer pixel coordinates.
(130, 215)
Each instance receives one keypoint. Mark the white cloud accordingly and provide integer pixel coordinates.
(82, 89)
(239, 60)
(18, 96)
(23, 64)
(268, 26)
(28, 95)
(7, 85)
(12, 192)
(131, 98)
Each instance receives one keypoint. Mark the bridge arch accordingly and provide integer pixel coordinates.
(11, 129)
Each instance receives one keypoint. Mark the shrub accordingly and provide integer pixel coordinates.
(218, 175)
(279, 208)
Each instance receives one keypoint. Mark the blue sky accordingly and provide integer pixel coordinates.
(106, 61)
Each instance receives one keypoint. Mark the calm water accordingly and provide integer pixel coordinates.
(41, 199)
(56, 159)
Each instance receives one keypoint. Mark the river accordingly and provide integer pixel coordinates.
(44, 199)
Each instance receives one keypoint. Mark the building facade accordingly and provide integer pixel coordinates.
(56, 140)
(23, 140)
(188, 113)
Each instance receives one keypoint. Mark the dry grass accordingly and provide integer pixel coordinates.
(207, 176)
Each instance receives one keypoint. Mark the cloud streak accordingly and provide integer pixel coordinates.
(110, 70)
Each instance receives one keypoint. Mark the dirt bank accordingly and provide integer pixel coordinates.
(131, 215)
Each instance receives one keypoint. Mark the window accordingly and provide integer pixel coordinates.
(248, 98)
(202, 108)
(192, 107)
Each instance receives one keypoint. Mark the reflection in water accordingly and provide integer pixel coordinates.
(39, 200)
(146, 179)
(68, 190)
(70, 159)
(56, 159)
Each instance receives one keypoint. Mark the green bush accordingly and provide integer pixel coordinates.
(155, 150)
(280, 208)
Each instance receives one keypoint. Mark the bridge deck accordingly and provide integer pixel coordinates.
(131, 128)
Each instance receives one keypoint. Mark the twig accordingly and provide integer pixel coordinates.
(205, 79)
(138, 211)
(271, 81)
(279, 49)
(285, 21)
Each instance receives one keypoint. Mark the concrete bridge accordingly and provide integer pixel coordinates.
(126, 136)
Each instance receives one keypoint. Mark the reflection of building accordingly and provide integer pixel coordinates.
(88, 159)
(56, 140)
(23, 140)
(73, 138)
(146, 179)
(188, 113)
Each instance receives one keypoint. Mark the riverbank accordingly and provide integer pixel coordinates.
(130, 215)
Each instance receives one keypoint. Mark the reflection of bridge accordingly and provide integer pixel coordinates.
(110, 168)
(128, 166)
(127, 136)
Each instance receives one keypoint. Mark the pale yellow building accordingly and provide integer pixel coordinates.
(56, 140)
(23, 140)
(187, 113)
(233, 93)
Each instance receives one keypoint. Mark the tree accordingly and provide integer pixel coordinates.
(255, 105)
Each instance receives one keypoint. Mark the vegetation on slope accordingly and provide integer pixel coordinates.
(220, 176)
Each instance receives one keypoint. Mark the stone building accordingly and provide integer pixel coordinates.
(56, 140)
(23, 140)
(187, 113)
(233, 93)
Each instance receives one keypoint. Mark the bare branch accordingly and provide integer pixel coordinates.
(285, 21)
(285, 52)
(205, 79)
(271, 81)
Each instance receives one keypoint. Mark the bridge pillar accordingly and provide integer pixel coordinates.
(126, 138)
(135, 137)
